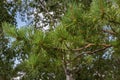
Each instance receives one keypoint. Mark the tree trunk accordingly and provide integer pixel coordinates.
(68, 71)
(69, 77)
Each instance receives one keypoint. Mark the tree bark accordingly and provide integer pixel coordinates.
(67, 69)
(69, 77)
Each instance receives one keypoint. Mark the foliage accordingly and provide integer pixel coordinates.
(84, 45)
(47, 12)
(7, 55)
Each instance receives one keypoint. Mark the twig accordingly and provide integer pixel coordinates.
(92, 52)
(109, 32)
(79, 49)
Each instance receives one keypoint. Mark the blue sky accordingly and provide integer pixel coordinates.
(19, 22)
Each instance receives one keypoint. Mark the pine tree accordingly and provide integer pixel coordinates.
(6, 54)
(85, 45)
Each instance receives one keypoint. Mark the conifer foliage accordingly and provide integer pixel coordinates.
(84, 46)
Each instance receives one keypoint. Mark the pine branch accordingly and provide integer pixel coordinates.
(89, 45)
(92, 52)
(82, 48)
(44, 8)
(109, 32)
